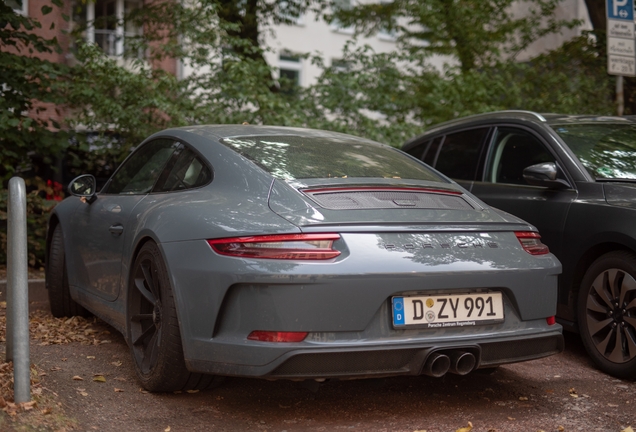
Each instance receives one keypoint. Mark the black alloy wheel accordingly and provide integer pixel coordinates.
(607, 313)
(153, 327)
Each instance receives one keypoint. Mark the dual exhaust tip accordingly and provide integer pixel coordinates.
(454, 361)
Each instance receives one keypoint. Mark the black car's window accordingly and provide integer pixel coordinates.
(459, 156)
(430, 153)
(188, 171)
(418, 150)
(292, 157)
(140, 171)
(607, 150)
(512, 151)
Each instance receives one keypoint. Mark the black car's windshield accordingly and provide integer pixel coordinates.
(290, 157)
(607, 150)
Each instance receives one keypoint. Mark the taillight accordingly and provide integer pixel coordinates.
(279, 246)
(551, 320)
(274, 336)
(531, 242)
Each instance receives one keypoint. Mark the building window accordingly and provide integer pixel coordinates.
(105, 26)
(384, 33)
(336, 25)
(289, 72)
(21, 7)
(288, 15)
(340, 65)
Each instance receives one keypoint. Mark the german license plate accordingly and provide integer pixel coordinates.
(457, 310)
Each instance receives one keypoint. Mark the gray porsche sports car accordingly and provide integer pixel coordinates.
(300, 254)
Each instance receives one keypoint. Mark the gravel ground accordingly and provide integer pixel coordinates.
(83, 379)
(93, 387)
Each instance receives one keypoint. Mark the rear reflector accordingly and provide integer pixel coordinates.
(551, 320)
(273, 336)
(279, 246)
(531, 242)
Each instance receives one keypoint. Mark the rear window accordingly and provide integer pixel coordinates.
(298, 157)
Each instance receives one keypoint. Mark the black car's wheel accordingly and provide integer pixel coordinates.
(60, 301)
(153, 328)
(607, 313)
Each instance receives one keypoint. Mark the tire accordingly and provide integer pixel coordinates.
(607, 313)
(60, 301)
(153, 328)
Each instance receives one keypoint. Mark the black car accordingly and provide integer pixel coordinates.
(574, 178)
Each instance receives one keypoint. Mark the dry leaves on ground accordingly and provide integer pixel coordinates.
(44, 329)
(6, 389)
(47, 330)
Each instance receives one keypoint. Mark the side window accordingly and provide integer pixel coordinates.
(512, 151)
(418, 150)
(139, 173)
(430, 153)
(459, 156)
(187, 172)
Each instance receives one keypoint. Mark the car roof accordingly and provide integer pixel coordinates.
(522, 116)
(238, 130)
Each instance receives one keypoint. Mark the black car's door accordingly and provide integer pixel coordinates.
(502, 184)
(100, 228)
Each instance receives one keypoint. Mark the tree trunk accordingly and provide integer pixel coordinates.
(596, 12)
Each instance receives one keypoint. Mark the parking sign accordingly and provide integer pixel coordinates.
(621, 50)
(620, 10)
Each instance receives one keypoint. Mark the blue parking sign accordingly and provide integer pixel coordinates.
(620, 10)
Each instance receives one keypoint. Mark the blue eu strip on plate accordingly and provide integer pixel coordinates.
(398, 310)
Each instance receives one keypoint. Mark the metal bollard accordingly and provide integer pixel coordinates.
(17, 347)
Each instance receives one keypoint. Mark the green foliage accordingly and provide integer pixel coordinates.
(481, 40)
(30, 85)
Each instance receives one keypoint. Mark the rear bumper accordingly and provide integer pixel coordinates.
(388, 360)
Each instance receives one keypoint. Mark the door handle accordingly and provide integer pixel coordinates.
(116, 229)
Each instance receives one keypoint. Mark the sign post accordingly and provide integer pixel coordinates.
(621, 45)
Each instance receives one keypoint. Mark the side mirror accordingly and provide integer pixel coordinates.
(544, 174)
(84, 186)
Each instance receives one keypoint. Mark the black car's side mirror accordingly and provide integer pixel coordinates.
(544, 174)
(84, 186)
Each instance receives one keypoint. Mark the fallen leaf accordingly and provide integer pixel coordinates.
(28, 406)
(523, 398)
(420, 430)
(116, 363)
(560, 428)
(573, 393)
(511, 418)
(167, 429)
(465, 429)
(192, 391)
(46, 411)
(78, 378)
(628, 429)
(84, 393)
(612, 405)
(120, 379)
(90, 357)
(99, 378)
(118, 390)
